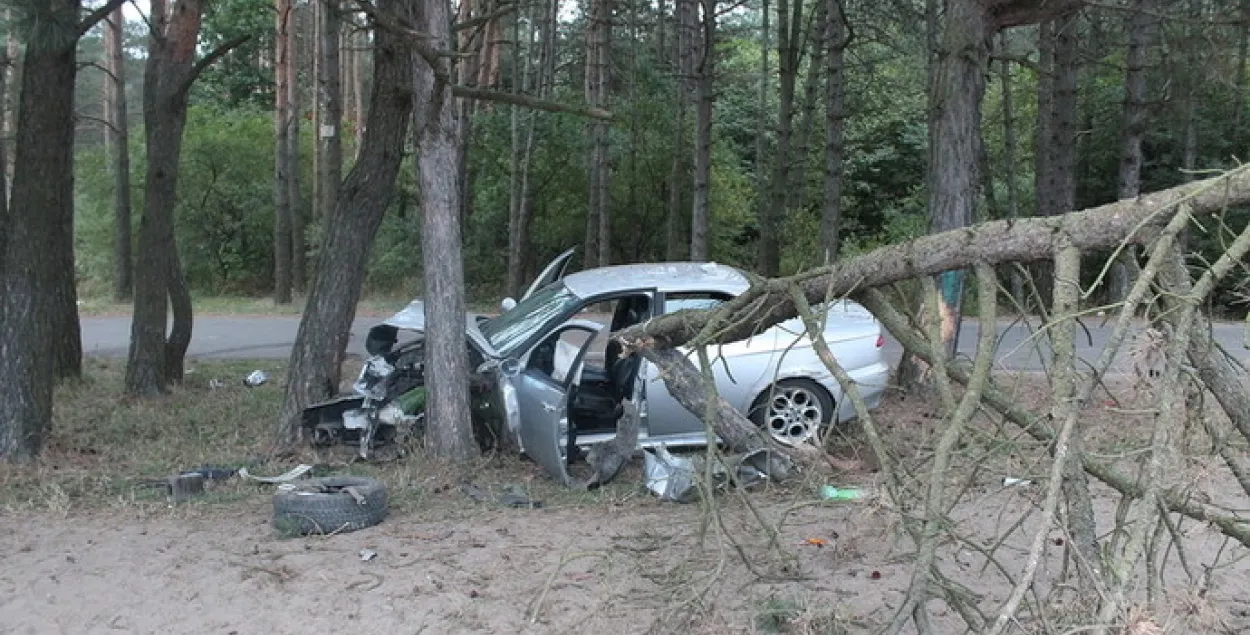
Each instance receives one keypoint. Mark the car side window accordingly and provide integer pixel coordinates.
(555, 356)
(693, 300)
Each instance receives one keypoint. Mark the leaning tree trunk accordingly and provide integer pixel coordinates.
(42, 200)
(450, 431)
(993, 243)
(171, 68)
(321, 342)
(117, 131)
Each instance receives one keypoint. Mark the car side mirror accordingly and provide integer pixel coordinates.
(508, 304)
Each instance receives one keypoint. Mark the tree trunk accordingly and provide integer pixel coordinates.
(1128, 184)
(450, 432)
(518, 230)
(1043, 177)
(598, 219)
(1063, 143)
(294, 197)
(1189, 100)
(836, 41)
(13, 55)
(958, 90)
(1239, 81)
(170, 70)
(1011, 149)
(789, 58)
(284, 163)
(330, 108)
(704, 99)
(796, 197)
(684, 12)
(603, 171)
(117, 134)
(992, 242)
(41, 204)
(761, 116)
(321, 342)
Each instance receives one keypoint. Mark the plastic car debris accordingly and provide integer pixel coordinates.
(289, 476)
(831, 493)
(256, 378)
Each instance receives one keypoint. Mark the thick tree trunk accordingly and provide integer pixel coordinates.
(836, 41)
(283, 162)
(42, 201)
(321, 342)
(171, 68)
(117, 134)
(450, 432)
(704, 99)
(957, 93)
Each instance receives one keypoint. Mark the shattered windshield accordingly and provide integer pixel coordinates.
(514, 327)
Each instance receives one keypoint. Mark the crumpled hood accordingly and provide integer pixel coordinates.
(412, 318)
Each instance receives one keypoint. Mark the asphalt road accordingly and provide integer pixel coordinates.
(271, 337)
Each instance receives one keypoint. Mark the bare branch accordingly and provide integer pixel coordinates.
(98, 14)
(208, 60)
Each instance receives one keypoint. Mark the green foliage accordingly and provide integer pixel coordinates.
(244, 77)
(225, 203)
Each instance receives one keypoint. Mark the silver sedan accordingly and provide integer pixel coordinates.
(562, 382)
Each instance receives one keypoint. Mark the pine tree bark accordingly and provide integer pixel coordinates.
(171, 68)
(450, 432)
(704, 100)
(321, 341)
(789, 57)
(117, 135)
(836, 40)
(330, 110)
(283, 161)
(41, 203)
(1128, 183)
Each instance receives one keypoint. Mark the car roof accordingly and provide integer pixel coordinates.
(666, 277)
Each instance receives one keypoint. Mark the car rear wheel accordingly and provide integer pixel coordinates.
(793, 410)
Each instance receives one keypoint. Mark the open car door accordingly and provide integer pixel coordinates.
(543, 388)
(552, 272)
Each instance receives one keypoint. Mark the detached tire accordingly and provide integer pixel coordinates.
(325, 506)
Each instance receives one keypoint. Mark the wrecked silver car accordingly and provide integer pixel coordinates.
(559, 384)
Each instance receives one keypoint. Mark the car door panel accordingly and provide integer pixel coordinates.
(542, 402)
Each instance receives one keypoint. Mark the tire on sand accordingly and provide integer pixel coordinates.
(327, 506)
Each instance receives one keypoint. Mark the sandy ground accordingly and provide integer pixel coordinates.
(617, 562)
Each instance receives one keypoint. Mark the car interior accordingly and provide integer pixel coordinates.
(596, 399)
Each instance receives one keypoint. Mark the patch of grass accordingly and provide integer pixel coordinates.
(106, 450)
